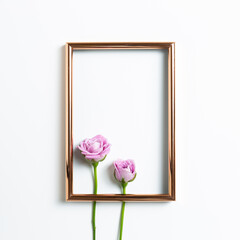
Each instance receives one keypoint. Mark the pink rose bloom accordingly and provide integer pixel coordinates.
(124, 170)
(95, 148)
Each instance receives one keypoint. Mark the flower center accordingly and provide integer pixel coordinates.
(94, 147)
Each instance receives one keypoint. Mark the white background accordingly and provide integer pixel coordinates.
(123, 95)
(32, 117)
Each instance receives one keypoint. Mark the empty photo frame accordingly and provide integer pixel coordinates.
(125, 92)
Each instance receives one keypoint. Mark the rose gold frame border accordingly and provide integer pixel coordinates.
(70, 47)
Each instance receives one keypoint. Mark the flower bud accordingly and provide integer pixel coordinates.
(124, 170)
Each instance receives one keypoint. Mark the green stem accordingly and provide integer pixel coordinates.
(95, 177)
(124, 185)
(94, 203)
(93, 220)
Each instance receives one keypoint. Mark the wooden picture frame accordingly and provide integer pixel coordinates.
(170, 196)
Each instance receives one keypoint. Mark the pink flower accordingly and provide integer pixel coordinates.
(95, 149)
(124, 170)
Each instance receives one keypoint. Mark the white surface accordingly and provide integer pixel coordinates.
(32, 127)
(123, 96)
